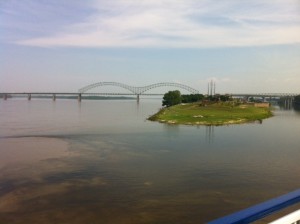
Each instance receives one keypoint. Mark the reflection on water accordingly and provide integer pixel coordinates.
(210, 133)
(124, 169)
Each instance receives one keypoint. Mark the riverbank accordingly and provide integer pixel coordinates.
(211, 114)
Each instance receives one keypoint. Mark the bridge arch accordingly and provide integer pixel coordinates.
(95, 85)
(137, 90)
(173, 84)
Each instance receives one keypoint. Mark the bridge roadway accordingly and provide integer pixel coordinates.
(266, 95)
(79, 96)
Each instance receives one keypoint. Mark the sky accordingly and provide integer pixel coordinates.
(64, 45)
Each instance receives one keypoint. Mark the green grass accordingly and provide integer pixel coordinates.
(213, 114)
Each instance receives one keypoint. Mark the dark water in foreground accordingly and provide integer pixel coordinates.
(120, 168)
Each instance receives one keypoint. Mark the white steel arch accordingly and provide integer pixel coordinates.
(137, 90)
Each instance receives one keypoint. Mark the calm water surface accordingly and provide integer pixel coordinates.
(121, 168)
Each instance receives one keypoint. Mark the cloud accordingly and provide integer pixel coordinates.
(180, 24)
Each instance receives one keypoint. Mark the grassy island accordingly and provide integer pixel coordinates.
(222, 113)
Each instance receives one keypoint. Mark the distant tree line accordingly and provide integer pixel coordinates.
(219, 97)
(174, 97)
(191, 98)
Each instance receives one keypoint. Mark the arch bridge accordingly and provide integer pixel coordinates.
(138, 90)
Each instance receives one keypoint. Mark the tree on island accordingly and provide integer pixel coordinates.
(171, 98)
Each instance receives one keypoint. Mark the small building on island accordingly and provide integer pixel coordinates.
(263, 105)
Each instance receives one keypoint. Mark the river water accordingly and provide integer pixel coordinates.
(103, 162)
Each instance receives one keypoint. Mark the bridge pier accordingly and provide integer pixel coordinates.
(53, 97)
(79, 97)
(29, 96)
(288, 102)
(5, 96)
(138, 98)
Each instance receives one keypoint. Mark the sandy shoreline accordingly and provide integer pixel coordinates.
(31, 149)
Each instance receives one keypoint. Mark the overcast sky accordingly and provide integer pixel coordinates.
(63, 45)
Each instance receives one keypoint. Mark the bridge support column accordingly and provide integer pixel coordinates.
(288, 102)
(285, 103)
(29, 96)
(54, 97)
(138, 98)
(291, 102)
(79, 97)
(5, 96)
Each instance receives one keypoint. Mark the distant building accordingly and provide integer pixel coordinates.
(262, 104)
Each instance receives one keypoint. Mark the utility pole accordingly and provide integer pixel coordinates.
(214, 88)
(207, 89)
(211, 88)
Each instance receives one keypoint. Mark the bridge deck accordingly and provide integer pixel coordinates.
(150, 94)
